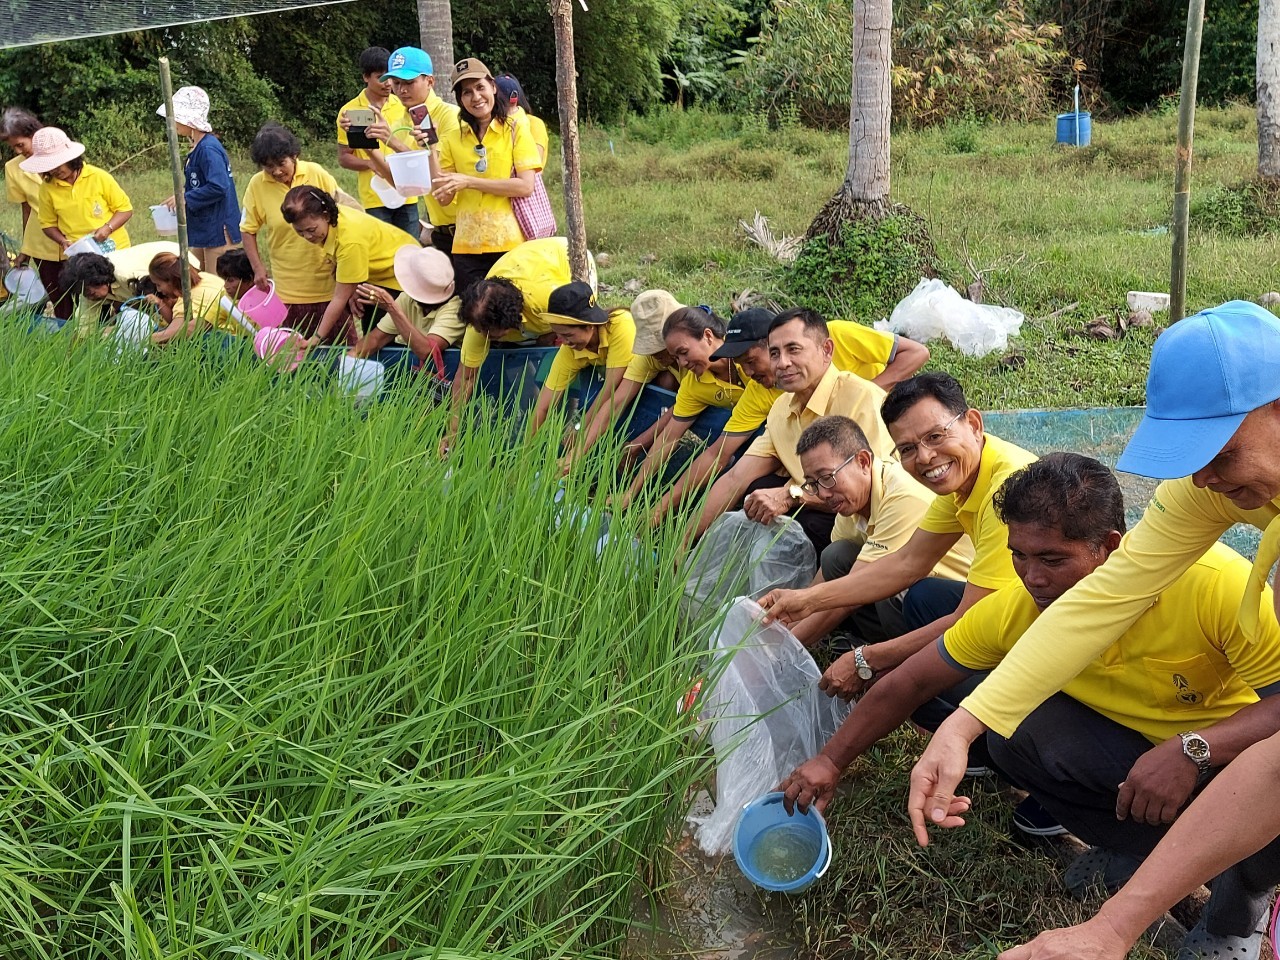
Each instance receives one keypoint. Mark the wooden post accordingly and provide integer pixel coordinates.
(179, 182)
(1182, 160)
(567, 84)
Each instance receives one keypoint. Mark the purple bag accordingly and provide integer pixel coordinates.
(534, 214)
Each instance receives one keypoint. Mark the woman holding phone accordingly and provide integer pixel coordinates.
(475, 165)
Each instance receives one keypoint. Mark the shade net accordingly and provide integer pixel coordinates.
(27, 22)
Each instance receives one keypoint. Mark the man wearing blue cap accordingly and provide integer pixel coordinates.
(413, 81)
(1212, 433)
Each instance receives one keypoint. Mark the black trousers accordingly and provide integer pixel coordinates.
(874, 622)
(1072, 759)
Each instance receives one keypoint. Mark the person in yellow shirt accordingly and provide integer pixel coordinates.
(425, 318)
(77, 199)
(486, 162)
(376, 96)
(878, 507)
(509, 87)
(766, 479)
(1117, 753)
(589, 336)
(357, 249)
(98, 285)
(17, 127)
(301, 278)
(206, 313)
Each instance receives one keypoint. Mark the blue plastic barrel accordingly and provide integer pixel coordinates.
(1067, 128)
(766, 814)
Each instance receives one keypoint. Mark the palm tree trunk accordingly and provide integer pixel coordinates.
(435, 32)
(1269, 89)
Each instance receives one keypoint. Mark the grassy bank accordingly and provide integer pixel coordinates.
(278, 683)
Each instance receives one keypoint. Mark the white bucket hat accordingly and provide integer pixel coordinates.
(50, 149)
(191, 107)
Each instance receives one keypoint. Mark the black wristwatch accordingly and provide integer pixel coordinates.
(1196, 749)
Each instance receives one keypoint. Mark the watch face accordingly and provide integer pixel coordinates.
(1197, 748)
(865, 673)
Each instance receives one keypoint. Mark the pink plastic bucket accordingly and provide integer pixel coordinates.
(269, 341)
(263, 307)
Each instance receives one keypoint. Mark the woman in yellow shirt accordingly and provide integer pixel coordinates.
(18, 126)
(510, 88)
(357, 248)
(206, 313)
(475, 163)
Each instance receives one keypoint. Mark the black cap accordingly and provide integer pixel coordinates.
(746, 329)
(575, 303)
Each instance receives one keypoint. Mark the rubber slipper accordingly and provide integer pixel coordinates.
(1200, 944)
(1099, 867)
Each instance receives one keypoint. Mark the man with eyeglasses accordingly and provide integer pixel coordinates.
(878, 507)
(940, 441)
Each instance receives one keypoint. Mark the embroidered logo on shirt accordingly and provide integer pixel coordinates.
(1185, 693)
(97, 208)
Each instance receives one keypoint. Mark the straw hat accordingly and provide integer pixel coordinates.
(50, 149)
(191, 107)
(424, 273)
(650, 311)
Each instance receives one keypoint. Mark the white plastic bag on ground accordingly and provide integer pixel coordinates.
(766, 712)
(739, 557)
(934, 309)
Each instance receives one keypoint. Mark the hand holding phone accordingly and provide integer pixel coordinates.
(358, 122)
(427, 132)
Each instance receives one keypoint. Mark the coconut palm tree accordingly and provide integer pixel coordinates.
(1269, 90)
(435, 32)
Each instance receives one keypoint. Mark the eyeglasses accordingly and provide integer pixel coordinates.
(930, 441)
(826, 481)
(482, 158)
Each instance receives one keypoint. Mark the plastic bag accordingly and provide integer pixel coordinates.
(766, 713)
(739, 557)
(934, 309)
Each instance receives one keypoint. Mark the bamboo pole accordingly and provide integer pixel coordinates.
(179, 182)
(567, 84)
(1182, 160)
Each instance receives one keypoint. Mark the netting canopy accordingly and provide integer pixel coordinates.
(27, 22)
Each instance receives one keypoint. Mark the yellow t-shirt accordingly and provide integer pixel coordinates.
(78, 209)
(443, 321)
(860, 349)
(838, 392)
(298, 268)
(536, 267)
(130, 265)
(538, 129)
(485, 223)
(750, 403)
(613, 351)
(1179, 525)
(976, 516)
(1184, 664)
(898, 504)
(206, 303)
(394, 113)
(445, 118)
(362, 249)
(643, 369)
(21, 187)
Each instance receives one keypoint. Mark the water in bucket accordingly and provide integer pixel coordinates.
(786, 852)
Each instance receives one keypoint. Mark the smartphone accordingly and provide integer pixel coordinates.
(357, 137)
(418, 114)
(361, 117)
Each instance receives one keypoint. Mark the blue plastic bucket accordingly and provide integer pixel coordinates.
(1067, 128)
(761, 825)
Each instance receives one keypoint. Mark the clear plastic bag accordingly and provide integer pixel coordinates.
(934, 309)
(766, 714)
(739, 557)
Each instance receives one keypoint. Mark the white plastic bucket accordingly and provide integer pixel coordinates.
(24, 285)
(166, 220)
(133, 330)
(411, 171)
(361, 377)
(391, 198)
(86, 244)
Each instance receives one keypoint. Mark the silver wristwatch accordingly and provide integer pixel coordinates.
(866, 673)
(1196, 749)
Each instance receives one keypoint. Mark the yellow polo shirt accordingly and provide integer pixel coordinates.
(78, 209)
(394, 113)
(898, 504)
(442, 321)
(613, 351)
(362, 249)
(485, 223)
(838, 392)
(130, 265)
(298, 268)
(536, 267)
(643, 369)
(1179, 525)
(206, 303)
(445, 117)
(1183, 664)
(750, 403)
(976, 516)
(22, 187)
(860, 349)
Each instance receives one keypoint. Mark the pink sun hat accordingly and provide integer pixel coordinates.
(424, 273)
(50, 149)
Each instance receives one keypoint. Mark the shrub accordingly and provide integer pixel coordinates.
(870, 267)
(1247, 209)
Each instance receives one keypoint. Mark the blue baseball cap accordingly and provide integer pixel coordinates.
(1207, 373)
(408, 63)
